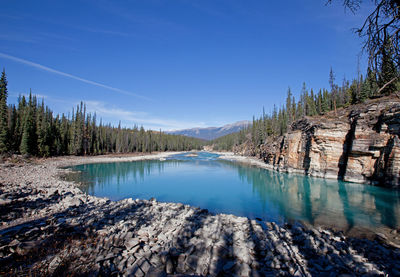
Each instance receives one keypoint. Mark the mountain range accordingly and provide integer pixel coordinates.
(211, 133)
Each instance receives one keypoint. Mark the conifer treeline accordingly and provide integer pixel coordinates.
(31, 128)
(310, 104)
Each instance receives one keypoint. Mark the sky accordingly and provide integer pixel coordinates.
(179, 63)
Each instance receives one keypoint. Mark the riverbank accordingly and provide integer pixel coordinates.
(243, 159)
(356, 231)
(50, 227)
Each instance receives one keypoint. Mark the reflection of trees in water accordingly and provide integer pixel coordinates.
(294, 196)
(302, 197)
(307, 204)
(347, 209)
(290, 194)
(110, 174)
(388, 206)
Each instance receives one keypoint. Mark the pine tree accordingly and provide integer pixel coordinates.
(372, 83)
(29, 139)
(333, 88)
(319, 102)
(299, 111)
(304, 99)
(388, 71)
(294, 108)
(4, 147)
(325, 101)
(311, 104)
(289, 106)
(12, 128)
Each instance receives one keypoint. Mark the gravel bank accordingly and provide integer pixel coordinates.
(49, 227)
(244, 159)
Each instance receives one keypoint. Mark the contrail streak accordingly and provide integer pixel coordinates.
(48, 69)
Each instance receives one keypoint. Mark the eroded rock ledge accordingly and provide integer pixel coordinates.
(49, 227)
(358, 144)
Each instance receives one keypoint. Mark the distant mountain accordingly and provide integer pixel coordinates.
(211, 133)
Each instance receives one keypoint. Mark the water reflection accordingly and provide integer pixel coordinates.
(320, 201)
(102, 175)
(224, 186)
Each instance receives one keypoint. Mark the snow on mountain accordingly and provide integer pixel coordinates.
(211, 133)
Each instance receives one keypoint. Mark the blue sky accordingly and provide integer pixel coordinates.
(175, 64)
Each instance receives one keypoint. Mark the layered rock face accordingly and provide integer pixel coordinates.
(358, 144)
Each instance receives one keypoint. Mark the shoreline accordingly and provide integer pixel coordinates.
(67, 231)
(111, 158)
(359, 232)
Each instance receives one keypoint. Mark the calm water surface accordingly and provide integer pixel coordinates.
(228, 187)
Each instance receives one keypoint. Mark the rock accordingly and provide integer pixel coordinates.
(381, 237)
(129, 244)
(156, 272)
(144, 265)
(192, 261)
(245, 270)
(169, 267)
(55, 262)
(318, 146)
(14, 243)
(181, 265)
(5, 201)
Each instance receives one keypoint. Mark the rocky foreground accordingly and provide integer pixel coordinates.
(49, 227)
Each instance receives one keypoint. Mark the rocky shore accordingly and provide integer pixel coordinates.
(360, 144)
(50, 227)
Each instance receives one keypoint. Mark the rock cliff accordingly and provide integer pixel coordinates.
(359, 144)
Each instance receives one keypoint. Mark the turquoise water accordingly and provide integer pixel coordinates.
(228, 187)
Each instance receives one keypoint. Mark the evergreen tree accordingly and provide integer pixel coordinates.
(388, 72)
(4, 146)
(372, 83)
(12, 128)
(333, 88)
(304, 99)
(319, 102)
(299, 111)
(312, 109)
(325, 101)
(289, 106)
(29, 139)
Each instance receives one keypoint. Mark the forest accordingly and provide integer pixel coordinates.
(31, 128)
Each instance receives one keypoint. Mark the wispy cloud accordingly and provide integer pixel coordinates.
(103, 31)
(17, 38)
(14, 17)
(113, 114)
(46, 97)
(51, 70)
(18, 94)
(141, 118)
(140, 16)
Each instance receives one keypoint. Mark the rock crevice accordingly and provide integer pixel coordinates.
(359, 144)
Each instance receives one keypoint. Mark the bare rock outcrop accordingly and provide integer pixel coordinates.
(359, 144)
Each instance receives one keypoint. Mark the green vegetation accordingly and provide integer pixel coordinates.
(32, 129)
(313, 104)
(3, 113)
